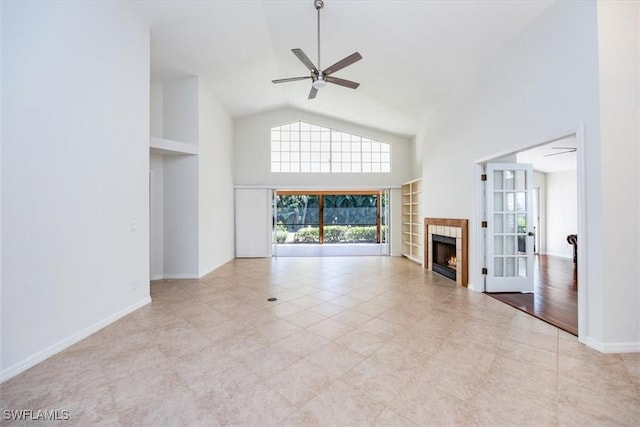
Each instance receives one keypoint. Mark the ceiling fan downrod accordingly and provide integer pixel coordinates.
(319, 4)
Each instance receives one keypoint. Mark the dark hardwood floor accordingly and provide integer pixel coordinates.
(555, 296)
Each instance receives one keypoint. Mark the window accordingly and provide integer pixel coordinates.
(326, 217)
(301, 147)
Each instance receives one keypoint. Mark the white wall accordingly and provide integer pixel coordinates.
(75, 163)
(180, 217)
(395, 213)
(1, 198)
(542, 85)
(561, 212)
(156, 114)
(156, 213)
(215, 182)
(252, 164)
(180, 110)
(416, 150)
(619, 48)
(540, 182)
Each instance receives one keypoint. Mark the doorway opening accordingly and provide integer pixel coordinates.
(555, 208)
(330, 222)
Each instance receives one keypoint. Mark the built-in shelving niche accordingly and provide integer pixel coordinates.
(412, 238)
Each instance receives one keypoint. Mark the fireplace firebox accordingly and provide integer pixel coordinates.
(444, 255)
(458, 231)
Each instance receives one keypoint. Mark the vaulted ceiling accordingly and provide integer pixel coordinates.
(414, 52)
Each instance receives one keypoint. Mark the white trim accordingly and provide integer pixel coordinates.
(181, 276)
(614, 347)
(321, 187)
(65, 343)
(332, 249)
(480, 237)
(157, 277)
(583, 236)
(518, 149)
(168, 146)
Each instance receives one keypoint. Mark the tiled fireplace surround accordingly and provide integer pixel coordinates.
(449, 227)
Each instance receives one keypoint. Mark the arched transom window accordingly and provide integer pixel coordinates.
(301, 147)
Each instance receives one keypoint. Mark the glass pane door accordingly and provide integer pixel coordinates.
(510, 228)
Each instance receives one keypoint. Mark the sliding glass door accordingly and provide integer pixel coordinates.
(297, 218)
(331, 218)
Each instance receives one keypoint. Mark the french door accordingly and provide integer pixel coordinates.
(510, 225)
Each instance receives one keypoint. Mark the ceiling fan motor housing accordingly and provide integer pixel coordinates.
(319, 4)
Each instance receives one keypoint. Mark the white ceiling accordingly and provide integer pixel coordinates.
(415, 52)
(553, 157)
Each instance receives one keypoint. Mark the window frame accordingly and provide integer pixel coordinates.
(302, 147)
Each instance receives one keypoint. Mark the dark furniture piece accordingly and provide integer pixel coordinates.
(572, 239)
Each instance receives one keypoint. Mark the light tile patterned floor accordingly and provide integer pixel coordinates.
(350, 342)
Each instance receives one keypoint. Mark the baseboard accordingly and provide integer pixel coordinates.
(173, 276)
(614, 347)
(65, 343)
(180, 276)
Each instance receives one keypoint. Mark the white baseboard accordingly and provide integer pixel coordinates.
(65, 343)
(174, 276)
(614, 347)
(180, 276)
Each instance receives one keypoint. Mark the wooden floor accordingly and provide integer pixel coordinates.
(555, 297)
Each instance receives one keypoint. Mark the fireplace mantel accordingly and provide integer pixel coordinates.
(451, 227)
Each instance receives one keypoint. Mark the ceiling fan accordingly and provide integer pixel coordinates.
(320, 78)
(566, 150)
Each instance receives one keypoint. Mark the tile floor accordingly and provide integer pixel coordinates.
(350, 342)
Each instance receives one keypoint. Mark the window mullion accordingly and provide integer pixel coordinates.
(379, 218)
(321, 219)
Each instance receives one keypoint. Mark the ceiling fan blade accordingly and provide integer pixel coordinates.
(564, 148)
(305, 60)
(342, 82)
(290, 79)
(313, 93)
(354, 57)
(562, 152)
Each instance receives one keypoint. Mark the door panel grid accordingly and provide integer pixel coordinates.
(509, 204)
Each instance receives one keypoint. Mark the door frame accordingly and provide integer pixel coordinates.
(480, 233)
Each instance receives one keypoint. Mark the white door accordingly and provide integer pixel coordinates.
(510, 228)
(253, 222)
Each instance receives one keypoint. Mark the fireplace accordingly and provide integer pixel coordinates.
(444, 255)
(446, 248)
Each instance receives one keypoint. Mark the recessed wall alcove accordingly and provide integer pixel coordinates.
(457, 229)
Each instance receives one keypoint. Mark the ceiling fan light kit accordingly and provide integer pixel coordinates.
(319, 79)
(319, 83)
